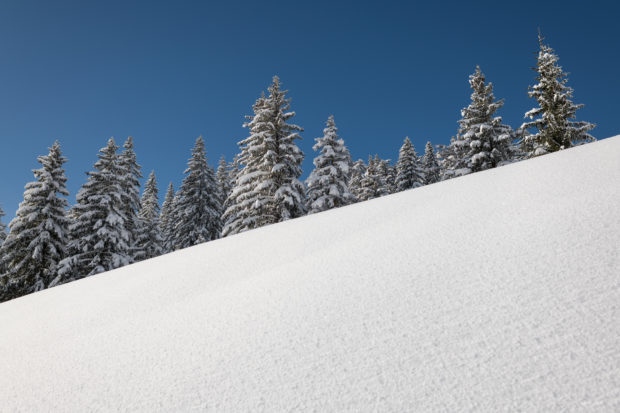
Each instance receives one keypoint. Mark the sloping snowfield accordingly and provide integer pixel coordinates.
(499, 291)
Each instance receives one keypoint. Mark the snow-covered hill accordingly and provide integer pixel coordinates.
(496, 291)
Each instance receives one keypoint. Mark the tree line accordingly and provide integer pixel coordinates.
(110, 225)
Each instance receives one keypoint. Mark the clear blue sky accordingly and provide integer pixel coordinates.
(166, 72)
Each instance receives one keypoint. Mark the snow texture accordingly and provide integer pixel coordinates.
(406, 307)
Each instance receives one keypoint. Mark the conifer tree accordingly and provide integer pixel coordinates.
(553, 119)
(357, 173)
(166, 219)
(130, 196)
(223, 178)
(267, 188)
(373, 183)
(388, 174)
(198, 208)
(99, 238)
(2, 230)
(430, 165)
(149, 242)
(409, 173)
(482, 141)
(38, 237)
(327, 183)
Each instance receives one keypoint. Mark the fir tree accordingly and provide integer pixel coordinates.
(267, 189)
(409, 173)
(198, 208)
(38, 236)
(388, 173)
(327, 183)
(99, 238)
(553, 119)
(166, 219)
(130, 196)
(373, 183)
(482, 142)
(357, 173)
(2, 230)
(149, 242)
(430, 165)
(223, 178)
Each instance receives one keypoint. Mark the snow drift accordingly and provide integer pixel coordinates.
(496, 291)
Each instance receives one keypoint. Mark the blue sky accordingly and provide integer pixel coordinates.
(167, 72)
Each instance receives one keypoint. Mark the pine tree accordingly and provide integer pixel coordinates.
(430, 165)
(223, 178)
(388, 174)
(2, 229)
(198, 208)
(482, 142)
(267, 189)
(327, 183)
(357, 173)
(130, 198)
(165, 219)
(554, 117)
(373, 183)
(149, 242)
(99, 238)
(409, 173)
(38, 236)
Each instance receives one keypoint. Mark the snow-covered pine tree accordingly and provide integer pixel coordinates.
(373, 183)
(222, 176)
(328, 182)
(409, 172)
(553, 119)
(198, 209)
(99, 238)
(165, 219)
(2, 228)
(357, 173)
(482, 142)
(267, 189)
(130, 184)
(38, 237)
(149, 242)
(430, 166)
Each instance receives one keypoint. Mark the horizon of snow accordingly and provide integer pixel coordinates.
(495, 291)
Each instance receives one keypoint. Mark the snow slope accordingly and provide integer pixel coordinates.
(499, 291)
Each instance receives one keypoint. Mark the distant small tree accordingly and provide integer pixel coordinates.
(430, 165)
(373, 183)
(553, 119)
(149, 242)
(409, 172)
(328, 182)
(166, 219)
(357, 173)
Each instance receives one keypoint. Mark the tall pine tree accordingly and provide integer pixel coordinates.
(482, 142)
(149, 242)
(130, 196)
(198, 208)
(99, 237)
(2, 229)
(38, 237)
(328, 182)
(267, 188)
(409, 173)
(553, 119)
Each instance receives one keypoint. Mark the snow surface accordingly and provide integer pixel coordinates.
(498, 291)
